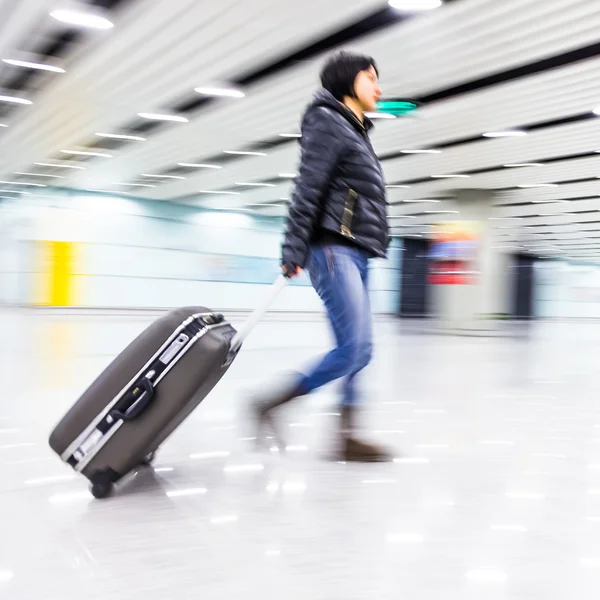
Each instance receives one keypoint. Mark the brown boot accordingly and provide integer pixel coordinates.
(263, 413)
(353, 449)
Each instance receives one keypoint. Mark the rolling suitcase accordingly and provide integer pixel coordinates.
(147, 391)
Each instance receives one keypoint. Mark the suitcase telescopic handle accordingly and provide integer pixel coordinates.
(258, 313)
(140, 403)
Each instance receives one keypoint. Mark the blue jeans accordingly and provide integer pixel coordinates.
(339, 275)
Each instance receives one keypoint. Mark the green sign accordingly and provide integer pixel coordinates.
(396, 107)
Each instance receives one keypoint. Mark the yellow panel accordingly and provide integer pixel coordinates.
(53, 280)
(61, 274)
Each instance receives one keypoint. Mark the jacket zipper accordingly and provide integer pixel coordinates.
(349, 204)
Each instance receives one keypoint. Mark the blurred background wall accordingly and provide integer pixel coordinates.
(89, 250)
(567, 290)
(80, 249)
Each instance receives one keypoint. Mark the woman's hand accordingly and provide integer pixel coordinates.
(290, 270)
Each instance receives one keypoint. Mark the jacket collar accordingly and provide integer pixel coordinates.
(325, 98)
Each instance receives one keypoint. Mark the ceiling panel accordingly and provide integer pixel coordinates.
(478, 65)
(143, 70)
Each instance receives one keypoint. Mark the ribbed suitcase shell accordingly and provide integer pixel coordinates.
(183, 387)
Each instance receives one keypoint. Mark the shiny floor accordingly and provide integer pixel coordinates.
(495, 492)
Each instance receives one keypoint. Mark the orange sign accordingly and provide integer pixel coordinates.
(453, 253)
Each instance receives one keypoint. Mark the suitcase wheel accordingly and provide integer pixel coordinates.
(103, 483)
(101, 490)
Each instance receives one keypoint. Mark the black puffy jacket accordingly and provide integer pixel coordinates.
(340, 188)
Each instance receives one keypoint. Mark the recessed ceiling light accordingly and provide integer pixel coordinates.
(516, 165)
(218, 192)
(44, 164)
(244, 153)
(288, 175)
(39, 175)
(507, 133)
(290, 135)
(32, 65)
(199, 165)
(379, 115)
(15, 100)
(415, 5)
(450, 176)
(250, 184)
(121, 136)
(537, 185)
(419, 151)
(86, 153)
(85, 20)
(220, 91)
(163, 117)
(23, 183)
(162, 176)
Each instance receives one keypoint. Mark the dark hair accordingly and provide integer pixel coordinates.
(340, 72)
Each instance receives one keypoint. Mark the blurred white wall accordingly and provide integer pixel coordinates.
(10, 268)
(567, 290)
(130, 253)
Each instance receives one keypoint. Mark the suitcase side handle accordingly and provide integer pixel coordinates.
(140, 404)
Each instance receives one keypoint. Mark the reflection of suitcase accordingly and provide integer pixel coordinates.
(147, 391)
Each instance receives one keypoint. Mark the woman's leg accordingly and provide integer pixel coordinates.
(353, 448)
(364, 351)
(337, 276)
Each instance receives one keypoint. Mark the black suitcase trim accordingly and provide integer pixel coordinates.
(138, 394)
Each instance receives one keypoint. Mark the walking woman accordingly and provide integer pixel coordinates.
(337, 223)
